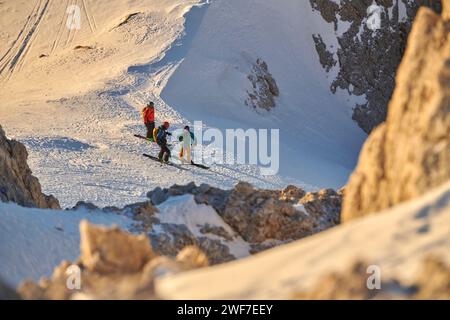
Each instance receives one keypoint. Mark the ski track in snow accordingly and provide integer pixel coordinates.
(18, 51)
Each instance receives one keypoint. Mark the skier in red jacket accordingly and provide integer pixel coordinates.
(148, 115)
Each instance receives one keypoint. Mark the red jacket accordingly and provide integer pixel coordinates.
(148, 114)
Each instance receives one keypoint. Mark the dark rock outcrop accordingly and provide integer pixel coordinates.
(17, 184)
(264, 87)
(259, 215)
(254, 218)
(367, 59)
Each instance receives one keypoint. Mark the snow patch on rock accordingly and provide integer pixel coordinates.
(183, 210)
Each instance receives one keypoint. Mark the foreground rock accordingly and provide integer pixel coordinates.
(103, 249)
(113, 265)
(410, 153)
(17, 184)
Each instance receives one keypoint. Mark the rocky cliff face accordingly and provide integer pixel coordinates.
(245, 217)
(17, 184)
(263, 218)
(410, 153)
(366, 59)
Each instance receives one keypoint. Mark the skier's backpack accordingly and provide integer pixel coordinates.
(155, 134)
(161, 137)
(180, 138)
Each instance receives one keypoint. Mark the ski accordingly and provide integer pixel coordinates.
(168, 164)
(201, 166)
(143, 138)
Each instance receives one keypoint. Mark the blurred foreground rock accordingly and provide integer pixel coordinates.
(113, 265)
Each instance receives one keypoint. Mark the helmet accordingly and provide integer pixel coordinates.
(166, 125)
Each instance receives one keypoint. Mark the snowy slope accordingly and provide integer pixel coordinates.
(396, 240)
(319, 141)
(77, 109)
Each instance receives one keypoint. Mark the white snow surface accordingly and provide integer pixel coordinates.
(73, 96)
(396, 240)
(34, 241)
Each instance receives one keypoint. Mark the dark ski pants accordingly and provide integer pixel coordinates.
(150, 127)
(164, 154)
